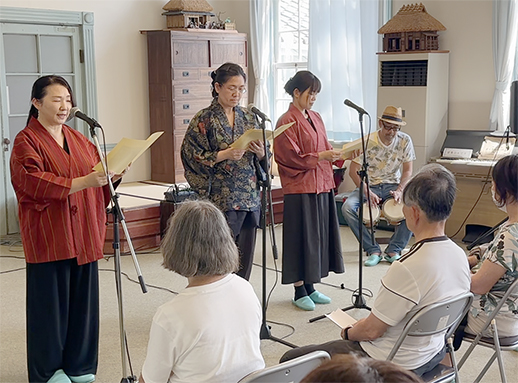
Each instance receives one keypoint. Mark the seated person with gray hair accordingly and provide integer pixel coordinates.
(435, 269)
(209, 332)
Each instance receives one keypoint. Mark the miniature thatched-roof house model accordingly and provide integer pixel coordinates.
(187, 13)
(411, 29)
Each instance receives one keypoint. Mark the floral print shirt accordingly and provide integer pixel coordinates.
(230, 185)
(504, 252)
(385, 161)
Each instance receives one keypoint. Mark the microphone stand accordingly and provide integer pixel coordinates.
(266, 201)
(118, 217)
(359, 300)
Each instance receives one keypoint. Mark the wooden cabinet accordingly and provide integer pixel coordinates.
(179, 67)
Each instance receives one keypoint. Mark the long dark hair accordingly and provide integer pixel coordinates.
(505, 177)
(303, 80)
(224, 73)
(39, 90)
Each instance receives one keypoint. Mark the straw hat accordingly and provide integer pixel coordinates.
(393, 115)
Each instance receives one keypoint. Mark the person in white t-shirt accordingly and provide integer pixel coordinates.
(210, 331)
(389, 169)
(416, 280)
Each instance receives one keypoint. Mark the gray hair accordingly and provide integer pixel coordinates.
(198, 241)
(433, 190)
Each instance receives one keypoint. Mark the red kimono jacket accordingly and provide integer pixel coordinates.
(55, 225)
(296, 153)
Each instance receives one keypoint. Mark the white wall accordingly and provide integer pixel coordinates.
(468, 37)
(121, 59)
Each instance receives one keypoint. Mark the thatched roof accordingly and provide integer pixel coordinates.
(188, 6)
(412, 18)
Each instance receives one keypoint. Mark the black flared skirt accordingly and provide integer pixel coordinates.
(311, 245)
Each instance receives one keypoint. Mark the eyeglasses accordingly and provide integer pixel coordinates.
(395, 128)
(233, 89)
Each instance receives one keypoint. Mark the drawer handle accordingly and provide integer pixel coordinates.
(186, 106)
(186, 121)
(240, 53)
(176, 52)
(185, 91)
(185, 74)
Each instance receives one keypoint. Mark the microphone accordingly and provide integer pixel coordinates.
(252, 109)
(351, 104)
(76, 112)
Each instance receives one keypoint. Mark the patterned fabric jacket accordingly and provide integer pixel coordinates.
(230, 185)
(55, 225)
(296, 153)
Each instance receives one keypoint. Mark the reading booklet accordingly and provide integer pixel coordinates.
(341, 318)
(257, 134)
(349, 147)
(126, 152)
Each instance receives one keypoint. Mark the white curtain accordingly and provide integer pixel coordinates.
(505, 34)
(343, 42)
(261, 46)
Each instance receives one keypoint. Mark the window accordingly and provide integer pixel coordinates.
(291, 47)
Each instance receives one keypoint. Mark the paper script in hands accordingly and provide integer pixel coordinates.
(341, 318)
(257, 134)
(349, 147)
(126, 152)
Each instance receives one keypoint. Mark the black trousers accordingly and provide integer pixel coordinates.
(244, 229)
(62, 319)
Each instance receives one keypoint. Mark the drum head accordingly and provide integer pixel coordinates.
(375, 214)
(393, 211)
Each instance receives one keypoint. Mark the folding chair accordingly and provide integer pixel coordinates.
(291, 371)
(495, 343)
(433, 319)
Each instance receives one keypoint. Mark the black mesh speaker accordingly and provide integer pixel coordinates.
(514, 107)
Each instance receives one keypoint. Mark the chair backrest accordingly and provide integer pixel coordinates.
(435, 318)
(291, 371)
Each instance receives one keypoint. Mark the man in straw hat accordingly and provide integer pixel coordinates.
(392, 151)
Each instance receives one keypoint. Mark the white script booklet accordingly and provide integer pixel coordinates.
(341, 318)
(257, 134)
(126, 152)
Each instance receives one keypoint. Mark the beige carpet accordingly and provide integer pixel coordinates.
(286, 321)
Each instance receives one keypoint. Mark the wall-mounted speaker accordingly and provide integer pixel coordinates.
(514, 107)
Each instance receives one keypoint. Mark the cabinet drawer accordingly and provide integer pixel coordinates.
(182, 122)
(190, 53)
(186, 74)
(188, 91)
(189, 107)
(227, 51)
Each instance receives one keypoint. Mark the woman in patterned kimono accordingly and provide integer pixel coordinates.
(311, 238)
(495, 265)
(61, 209)
(226, 176)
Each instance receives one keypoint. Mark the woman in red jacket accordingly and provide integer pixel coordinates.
(61, 209)
(311, 238)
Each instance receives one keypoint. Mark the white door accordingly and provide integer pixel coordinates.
(26, 53)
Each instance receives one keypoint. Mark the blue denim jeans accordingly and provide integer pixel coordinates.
(401, 235)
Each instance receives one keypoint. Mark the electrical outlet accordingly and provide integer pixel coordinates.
(457, 153)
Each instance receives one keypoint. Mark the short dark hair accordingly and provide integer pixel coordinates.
(303, 80)
(433, 190)
(224, 73)
(505, 178)
(350, 368)
(39, 90)
(198, 241)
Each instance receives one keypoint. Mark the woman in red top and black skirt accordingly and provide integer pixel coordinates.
(311, 238)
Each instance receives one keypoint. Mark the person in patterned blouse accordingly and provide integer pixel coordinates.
(495, 266)
(394, 150)
(226, 176)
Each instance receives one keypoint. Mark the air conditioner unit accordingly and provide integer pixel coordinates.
(418, 83)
